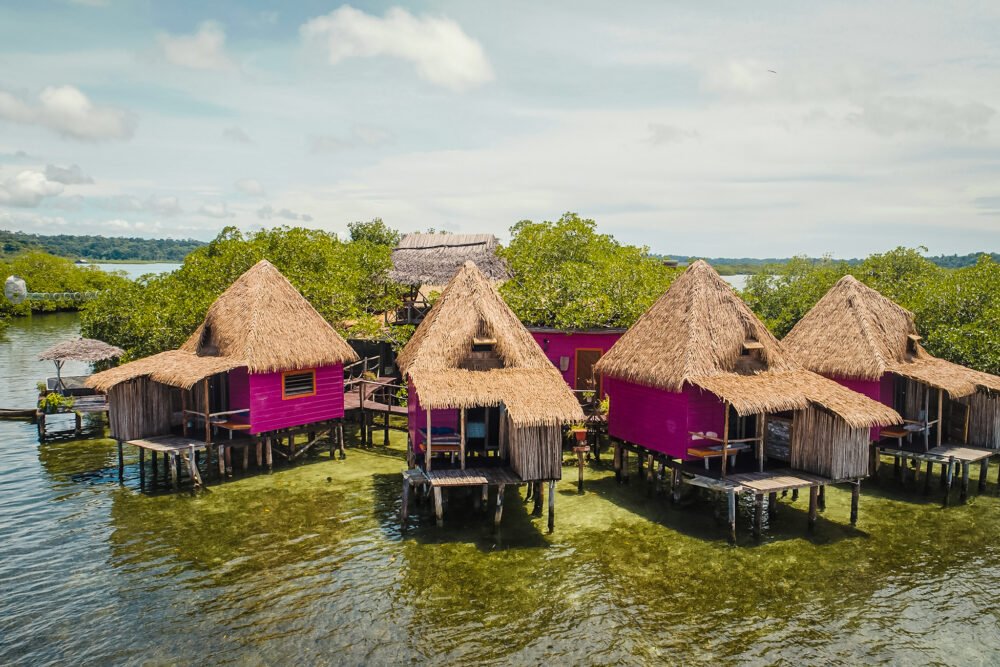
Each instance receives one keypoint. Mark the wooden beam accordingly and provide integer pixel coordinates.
(940, 423)
(438, 508)
(427, 443)
(462, 441)
(552, 505)
(208, 419)
(725, 440)
(732, 512)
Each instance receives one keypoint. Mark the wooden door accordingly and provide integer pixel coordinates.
(586, 379)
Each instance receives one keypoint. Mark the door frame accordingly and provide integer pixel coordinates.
(576, 370)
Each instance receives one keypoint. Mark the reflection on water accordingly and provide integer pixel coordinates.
(309, 564)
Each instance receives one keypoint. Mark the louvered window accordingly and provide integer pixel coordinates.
(297, 384)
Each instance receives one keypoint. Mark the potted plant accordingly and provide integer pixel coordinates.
(55, 402)
(579, 431)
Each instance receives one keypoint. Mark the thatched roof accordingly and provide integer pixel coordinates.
(81, 349)
(855, 332)
(432, 259)
(701, 333)
(434, 359)
(261, 322)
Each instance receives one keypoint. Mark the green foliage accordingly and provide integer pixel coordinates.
(375, 231)
(99, 247)
(54, 402)
(43, 272)
(567, 275)
(343, 281)
(957, 311)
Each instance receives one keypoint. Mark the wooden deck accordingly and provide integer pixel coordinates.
(954, 460)
(468, 477)
(176, 450)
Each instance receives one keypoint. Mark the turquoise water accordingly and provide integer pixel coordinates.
(309, 566)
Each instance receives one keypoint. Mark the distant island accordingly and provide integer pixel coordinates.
(99, 248)
(749, 265)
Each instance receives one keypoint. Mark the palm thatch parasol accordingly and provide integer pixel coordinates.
(81, 349)
(432, 259)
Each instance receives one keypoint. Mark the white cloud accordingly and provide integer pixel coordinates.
(893, 115)
(67, 111)
(28, 189)
(250, 186)
(216, 210)
(142, 226)
(71, 175)
(661, 133)
(161, 205)
(204, 50)
(268, 212)
(361, 135)
(438, 47)
(164, 205)
(236, 135)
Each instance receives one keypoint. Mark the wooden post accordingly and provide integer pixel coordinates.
(267, 454)
(873, 460)
(142, 467)
(813, 497)
(675, 485)
(260, 452)
(928, 474)
(940, 424)
(340, 439)
(927, 416)
(732, 515)
(617, 462)
(821, 498)
(486, 497)
(661, 477)
(624, 463)
(965, 481)
(438, 509)
(725, 440)
(795, 495)
(173, 470)
(539, 501)
(761, 435)
(552, 505)
(184, 417)
(78, 427)
(427, 443)
(246, 457)
(461, 443)
(121, 463)
(208, 411)
(385, 428)
(404, 509)
(758, 514)
(579, 465)
(499, 511)
(984, 471)
(650, 473)
(229, 460)
(193, 467)
(948, 479)
(772, 504)
(855, 498)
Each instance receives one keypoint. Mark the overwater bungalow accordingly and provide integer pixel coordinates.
(700, 385)
(262, 369)
(423, 262)
(575, 352)
(486, 407)
(870, 344)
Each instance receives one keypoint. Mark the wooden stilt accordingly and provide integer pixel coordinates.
(229, 461)
(947, 485)
(486, 497)
(193, 467)
(79, 423)
(527, 494)
(142, 467)
(675, 485)
(267, 454)
(246, 458)
(965, 482)
(173, 470)
(896, 471)
(873, 461)
(579, 465)
(732, 515)
(855, 498)
(624, 464)
(552, 505)
(404, 509)
(220, 453)
(618, 462)
(539, 500)
(813, 497)
(121, 463)
(928, 475)
(795, 495)
(758, 514)
(499, 512)
(153, 462)
(661, 476)
(984, 471)
(772, 504)
(260, 453)
(821, 499)
(438, 509)
(650, 473)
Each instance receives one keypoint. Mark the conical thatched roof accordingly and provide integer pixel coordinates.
(81, 349)
(436, 357)
(261, 322)
(701, 333)
(432, 259)
(855, 332)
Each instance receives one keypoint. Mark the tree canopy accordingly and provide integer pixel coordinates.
(567, 275)
(115, 248)
(344, 281)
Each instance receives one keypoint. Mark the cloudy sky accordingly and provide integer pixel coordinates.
(754, 129)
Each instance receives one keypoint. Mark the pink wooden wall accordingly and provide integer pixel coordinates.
(239, 390)
(566, 343)
(881, 390)
(417, 416)
(661, 420)
(269, 411)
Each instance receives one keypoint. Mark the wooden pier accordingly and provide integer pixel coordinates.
(652, 467)
(500, 476)
(954, 460)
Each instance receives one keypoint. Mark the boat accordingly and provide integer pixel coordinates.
(15, 413)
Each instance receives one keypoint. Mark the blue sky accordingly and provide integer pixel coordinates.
(763, 129)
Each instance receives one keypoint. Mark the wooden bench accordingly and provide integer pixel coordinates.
(716, 452)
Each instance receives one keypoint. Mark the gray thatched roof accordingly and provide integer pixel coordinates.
(81, 349)
(432, 259)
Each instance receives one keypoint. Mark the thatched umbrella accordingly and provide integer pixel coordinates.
(432, 259)
(81, 349)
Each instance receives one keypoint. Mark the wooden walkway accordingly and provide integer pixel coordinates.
(500, 477)
(953, 460)
(176, 450)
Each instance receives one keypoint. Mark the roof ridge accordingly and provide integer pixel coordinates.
(862, 315)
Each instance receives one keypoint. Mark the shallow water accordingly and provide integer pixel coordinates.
(309, 564)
